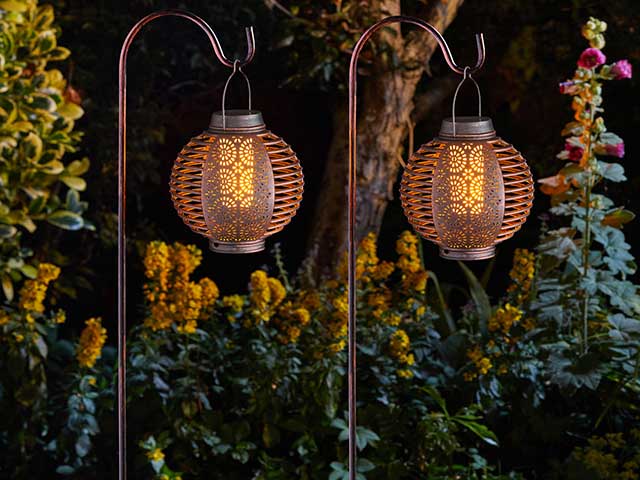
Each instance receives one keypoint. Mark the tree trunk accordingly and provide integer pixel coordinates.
(384, 112)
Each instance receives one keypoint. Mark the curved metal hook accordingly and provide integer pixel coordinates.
(215, 43)
(351, 235)
(122, 193)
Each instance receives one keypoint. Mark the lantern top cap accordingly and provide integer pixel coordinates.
(237, 119)
(467, 128)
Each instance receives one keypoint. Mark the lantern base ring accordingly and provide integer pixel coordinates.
(252, 246)
(467, 253)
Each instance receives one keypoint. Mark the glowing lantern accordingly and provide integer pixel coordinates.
(236, 183)
(467, 190)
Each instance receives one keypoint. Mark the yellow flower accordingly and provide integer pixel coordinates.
(504, 318)
(414, 276)
(92, 339)
(34, 291)
(393, 319)
(171, 296)
(367, 262)
(60, 317)
(310, 300)
(379, 301)
(481, 363)
(92, 381)
(404, 373)
(19, 337)
(234, 302)
(4, 318)
(155, 455)
(522, 273)
(399, 346)
(265, 295)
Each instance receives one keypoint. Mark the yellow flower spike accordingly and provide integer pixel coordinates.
(504, 318)
(233, 302)
(34, 291)
(277, 291)
(92, 339)
(522, 273)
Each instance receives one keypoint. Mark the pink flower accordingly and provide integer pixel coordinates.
(575, 152)
(615, 149)
(568, 88)
(621, 69)
(591, 57)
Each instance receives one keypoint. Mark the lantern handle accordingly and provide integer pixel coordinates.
(465, 75)
(236, 68)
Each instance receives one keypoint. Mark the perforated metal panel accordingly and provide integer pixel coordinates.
(467, 196)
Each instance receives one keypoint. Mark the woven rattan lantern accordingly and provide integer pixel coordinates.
(236, 183)
(467, 190)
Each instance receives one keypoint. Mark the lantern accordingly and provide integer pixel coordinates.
(467, 190)
(236, 183)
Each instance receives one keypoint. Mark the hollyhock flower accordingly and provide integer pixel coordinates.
(621, 70)
(591, 57)
(575, 152)
(554, 185)
(615, 149)
(568, 88)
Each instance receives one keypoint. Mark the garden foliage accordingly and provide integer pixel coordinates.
(539, 383)
(39, 189)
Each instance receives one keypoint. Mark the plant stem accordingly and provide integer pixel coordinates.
(586, 243)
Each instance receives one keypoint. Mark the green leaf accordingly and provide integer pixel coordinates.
(613, 172)
(618, 218)
(7, 231)
(71, 111)
(31, 147)
(480, 430)
(42, 102)
(83, 445)
(29, 271)
(479, 296)
(66, 220)
(65, 470)
(78, 167)
(76, 183)
(14, 6)
(7, 287)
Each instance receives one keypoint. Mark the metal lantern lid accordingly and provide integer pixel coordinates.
(467, 128)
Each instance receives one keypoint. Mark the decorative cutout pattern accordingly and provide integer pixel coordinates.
(467, 196)
(237, 189)
(417, 188)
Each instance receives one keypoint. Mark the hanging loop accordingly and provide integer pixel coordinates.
(466, 74)
(237, 68)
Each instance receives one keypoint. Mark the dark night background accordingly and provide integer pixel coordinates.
(175, 83)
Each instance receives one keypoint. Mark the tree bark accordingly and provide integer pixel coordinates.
(384, 114)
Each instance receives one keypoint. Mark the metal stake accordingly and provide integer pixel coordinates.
(351, 236)
(122, 193)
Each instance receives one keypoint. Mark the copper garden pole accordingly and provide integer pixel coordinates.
(351, 235)
(122, 191)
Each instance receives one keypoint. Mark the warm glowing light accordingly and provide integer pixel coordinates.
(466, 182)
(236, 171)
